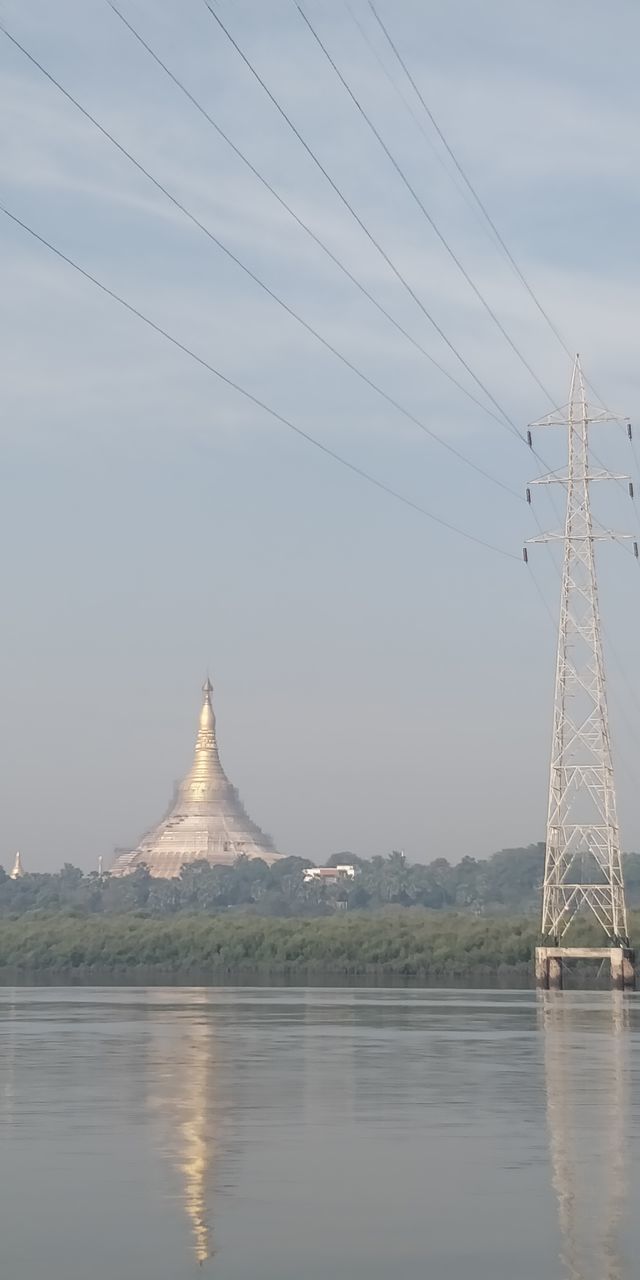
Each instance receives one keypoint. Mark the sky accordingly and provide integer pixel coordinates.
(380, 680)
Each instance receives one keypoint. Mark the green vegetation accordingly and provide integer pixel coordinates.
(472, 923)
(409, 944)
(507, 883)
(428, 946)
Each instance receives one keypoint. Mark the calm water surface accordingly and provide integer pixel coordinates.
(301, 1134)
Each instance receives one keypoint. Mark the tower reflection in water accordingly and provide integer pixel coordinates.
(586, 1059)
(182, 1099)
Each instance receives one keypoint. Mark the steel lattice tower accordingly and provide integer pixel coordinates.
(583, 870)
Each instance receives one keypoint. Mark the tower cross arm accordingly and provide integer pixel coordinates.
(553, 477)
(560, 417)
(605, 535)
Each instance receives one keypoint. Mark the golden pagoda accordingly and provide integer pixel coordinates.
(17, 871)
(207, 819)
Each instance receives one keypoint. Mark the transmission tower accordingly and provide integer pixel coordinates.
(583, 870)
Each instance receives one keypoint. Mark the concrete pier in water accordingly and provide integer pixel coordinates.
(550, 964)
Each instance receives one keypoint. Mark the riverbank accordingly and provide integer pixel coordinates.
(432, 948)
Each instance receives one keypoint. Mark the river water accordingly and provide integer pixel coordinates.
(305, 1133)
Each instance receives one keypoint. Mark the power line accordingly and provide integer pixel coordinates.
(178, 204)
(481, 207)
(469, 184)
(257, 280)
(508, 422)
(412, 112)
(362, 288)
(248, 395)
(421, 205)
(179, 84)
(300, 221)
(411, 417)
(543, 601)
(200, 108)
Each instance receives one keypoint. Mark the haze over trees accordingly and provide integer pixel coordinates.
(507, 883)
(509, 879)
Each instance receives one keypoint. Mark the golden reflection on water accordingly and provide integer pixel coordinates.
(587, 1122)
(197, 1146)
(182, 1098)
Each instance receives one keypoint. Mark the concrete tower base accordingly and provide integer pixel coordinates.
(549, 965)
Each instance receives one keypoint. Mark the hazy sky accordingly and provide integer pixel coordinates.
(379, 681)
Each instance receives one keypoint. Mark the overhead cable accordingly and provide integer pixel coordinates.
(178, 204)
(421, 205)
(508, 422)
(300, 221)
(479, 203)
(470, 187)
(248, 395)
(413, 111)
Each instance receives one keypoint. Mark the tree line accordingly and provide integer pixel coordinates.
(509, 882)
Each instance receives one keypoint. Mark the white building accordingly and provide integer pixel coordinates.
(329, 875)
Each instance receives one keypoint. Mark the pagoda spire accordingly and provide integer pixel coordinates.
(206, 773)
(207, 716)
(17, 871)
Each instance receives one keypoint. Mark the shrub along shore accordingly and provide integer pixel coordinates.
(433, 948)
